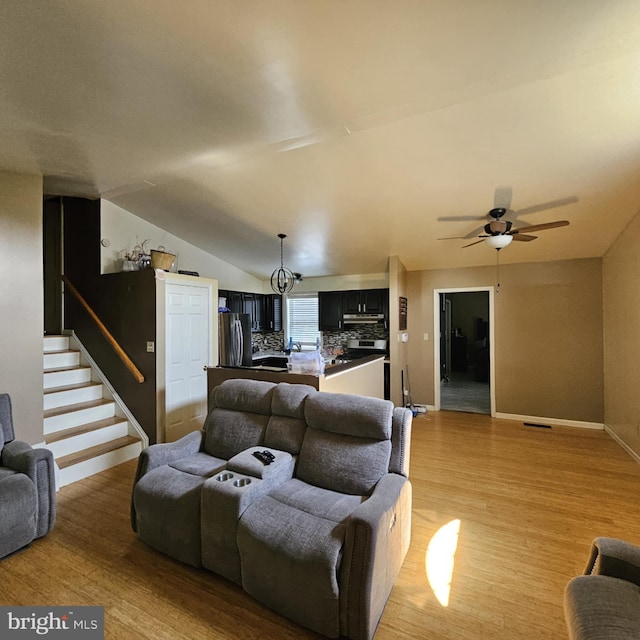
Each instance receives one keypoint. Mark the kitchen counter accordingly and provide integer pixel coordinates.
(362, 376)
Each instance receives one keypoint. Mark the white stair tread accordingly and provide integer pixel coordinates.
(72, 387)
(96, 451)
(69, 367)
(80, 406)
(57, 436)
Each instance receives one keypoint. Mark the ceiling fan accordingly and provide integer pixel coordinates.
(499, 233)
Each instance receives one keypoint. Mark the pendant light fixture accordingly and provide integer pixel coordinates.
(282, 279)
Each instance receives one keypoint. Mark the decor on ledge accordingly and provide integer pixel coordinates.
(282, 279)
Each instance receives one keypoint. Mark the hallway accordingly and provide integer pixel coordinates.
(463, 393)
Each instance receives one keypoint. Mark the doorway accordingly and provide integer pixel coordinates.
(463, 356)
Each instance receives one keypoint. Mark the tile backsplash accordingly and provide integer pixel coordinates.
(275, 340)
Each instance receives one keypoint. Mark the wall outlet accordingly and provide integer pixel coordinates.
(426, 337)
(151, 347)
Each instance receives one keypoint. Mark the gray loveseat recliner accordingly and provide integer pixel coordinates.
(27, 487)
(320, 533)
(604, 603)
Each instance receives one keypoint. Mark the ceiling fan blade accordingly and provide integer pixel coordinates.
(460, 218)
(521, 237)
(541, 227)
(552, 204)
(471, 245)
(453, 238)
(502, 198)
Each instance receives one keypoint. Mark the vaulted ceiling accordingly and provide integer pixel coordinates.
(360, 128)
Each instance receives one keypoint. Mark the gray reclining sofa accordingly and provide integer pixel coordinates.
(27, 487)
(604, 603)
(320, 533)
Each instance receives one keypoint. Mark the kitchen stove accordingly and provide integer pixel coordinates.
(361, 348)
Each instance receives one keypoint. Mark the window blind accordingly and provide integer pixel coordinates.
(302, 318)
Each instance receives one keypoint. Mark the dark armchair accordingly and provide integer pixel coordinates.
(27, 487)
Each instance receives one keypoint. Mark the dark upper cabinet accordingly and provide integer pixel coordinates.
(272, 312)
(365, 301)
(252, 303)
(234, 302)
(265, 310)
(375, 300)
(332, 305)
(330, 310)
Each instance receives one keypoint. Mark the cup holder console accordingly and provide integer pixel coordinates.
(240, 482)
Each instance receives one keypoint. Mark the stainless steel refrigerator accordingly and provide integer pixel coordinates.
(235, 339)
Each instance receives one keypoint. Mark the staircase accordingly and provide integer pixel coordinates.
(83, 426)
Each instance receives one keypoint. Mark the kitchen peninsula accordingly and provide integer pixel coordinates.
(362, 376)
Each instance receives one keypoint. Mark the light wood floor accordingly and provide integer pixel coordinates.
(529, 503)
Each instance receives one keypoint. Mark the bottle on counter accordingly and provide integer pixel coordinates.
(318, 344)
(289, 348)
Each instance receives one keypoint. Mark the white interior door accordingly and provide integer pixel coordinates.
(188, 350)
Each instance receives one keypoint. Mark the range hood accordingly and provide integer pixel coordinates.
(362, 318)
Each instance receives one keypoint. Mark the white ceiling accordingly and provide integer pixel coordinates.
(350, 125)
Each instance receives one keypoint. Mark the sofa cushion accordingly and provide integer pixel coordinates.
(199, 464)
(238, 419)
(290, 562)
(350, 415)
(342, 463)
(602, 608)
(247, 396)
(167, 507)
(323, 503)
(347, 444)
(286, 427)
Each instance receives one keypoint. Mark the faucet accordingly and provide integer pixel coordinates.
(297, 346)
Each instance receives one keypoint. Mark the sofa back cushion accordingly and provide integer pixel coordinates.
(286, 427)
(238, 417)
(6, 420)
(347, 444)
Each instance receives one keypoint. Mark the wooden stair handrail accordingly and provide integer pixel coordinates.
(135, 372)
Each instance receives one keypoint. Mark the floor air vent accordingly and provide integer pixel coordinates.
(535, 424)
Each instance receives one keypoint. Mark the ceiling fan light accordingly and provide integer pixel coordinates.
(499, 242)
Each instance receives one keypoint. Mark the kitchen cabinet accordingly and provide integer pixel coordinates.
(252, 303)
(330, 310)
(272, 312)
(265, 310)
(365, 301)
(234, 301)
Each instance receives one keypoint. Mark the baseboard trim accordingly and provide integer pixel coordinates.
(622, 443)
(560, 422)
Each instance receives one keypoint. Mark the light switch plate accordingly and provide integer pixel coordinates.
(151, 347)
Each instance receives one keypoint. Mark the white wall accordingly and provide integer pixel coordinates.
(22, 300)
(123, 231)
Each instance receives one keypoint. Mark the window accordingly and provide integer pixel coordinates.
(302, 319)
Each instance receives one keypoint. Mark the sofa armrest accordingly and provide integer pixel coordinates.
(377, 541)
(167, 452)
(38, 465)
(615, 558)
(164, 453)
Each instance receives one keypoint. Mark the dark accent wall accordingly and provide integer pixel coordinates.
(52, 259)
(81, 232)
(124, 302)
